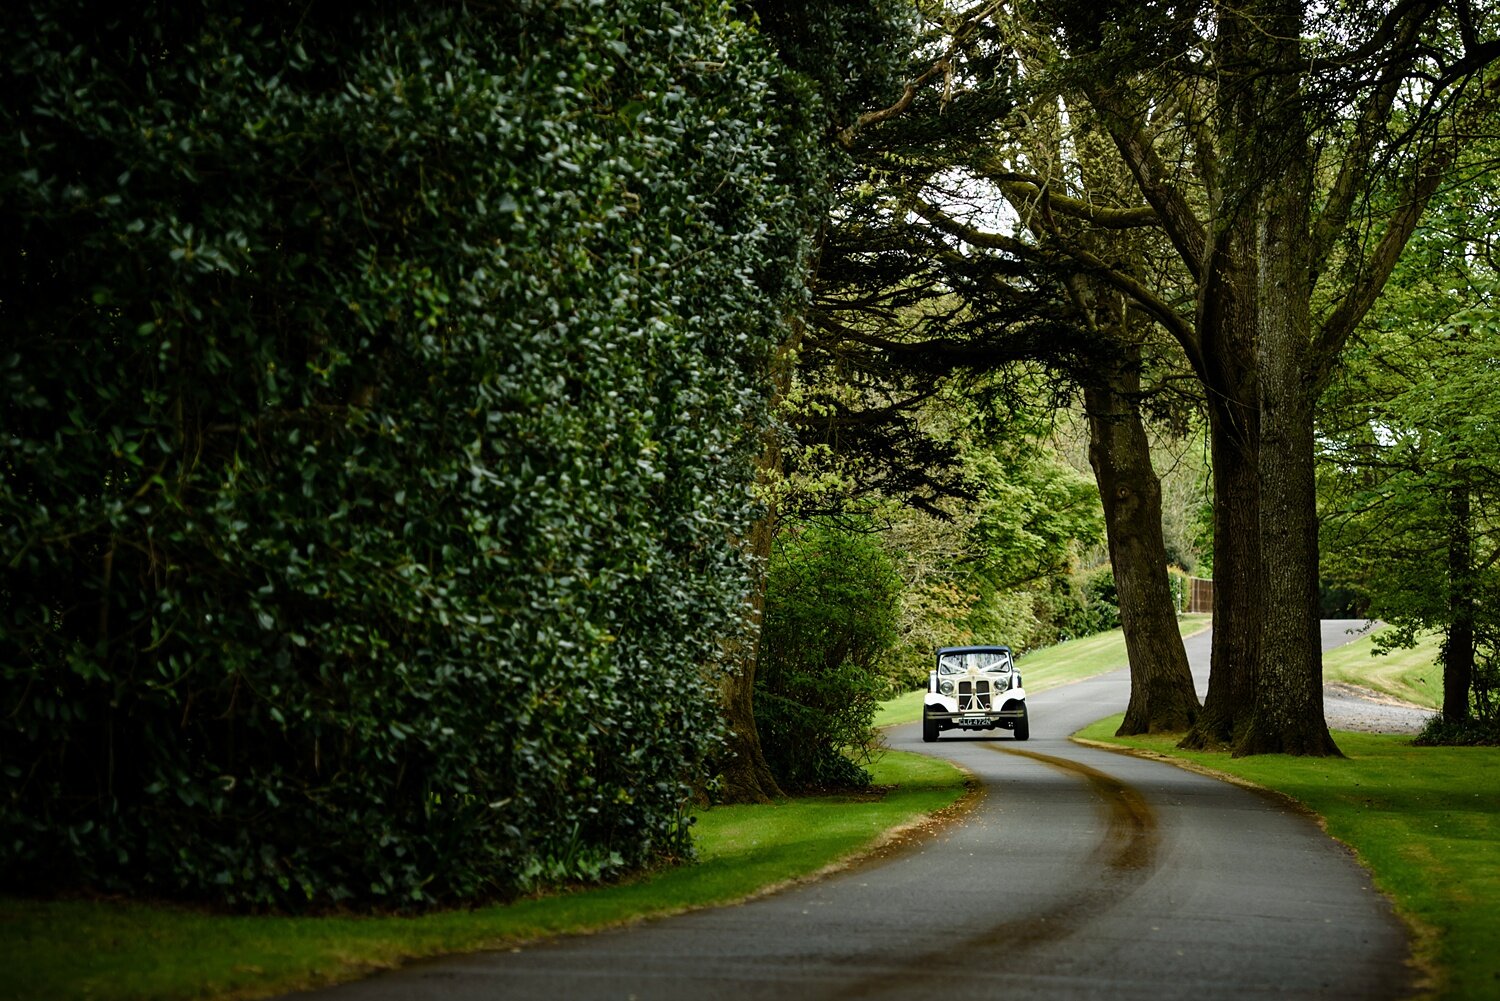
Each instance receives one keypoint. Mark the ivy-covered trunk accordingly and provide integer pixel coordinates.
(745, 776)
(1161, 685)
(1238, 605)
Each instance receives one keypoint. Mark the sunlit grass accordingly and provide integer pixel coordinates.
(111, 951)
(1049, 667)
(1426, 820)
(1410, 675)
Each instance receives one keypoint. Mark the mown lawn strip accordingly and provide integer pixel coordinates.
(1413, 675)
(114, 951)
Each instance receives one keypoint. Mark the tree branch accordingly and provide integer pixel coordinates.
(1178, 220)
(1159, 309)
(909, 93)
(1357, 164)
(1376, 268)
(1103, 216)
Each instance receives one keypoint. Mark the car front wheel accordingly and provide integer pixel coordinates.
(929, 728)
(1023, 726)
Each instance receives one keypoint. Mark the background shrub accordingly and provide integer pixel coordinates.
(831, 612)
(1099, 600)
(376, 390)
(1181, 583)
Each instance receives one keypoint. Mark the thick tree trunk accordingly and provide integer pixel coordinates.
(1238, 602)
(1288, 710)
(1288, 713)
(1458, 647)
(1227, 326)
(1162, 699)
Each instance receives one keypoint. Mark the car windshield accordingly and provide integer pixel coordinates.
(983, 660)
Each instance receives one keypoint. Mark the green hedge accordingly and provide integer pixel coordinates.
(376, 390)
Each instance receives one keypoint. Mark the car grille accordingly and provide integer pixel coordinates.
(973, 696)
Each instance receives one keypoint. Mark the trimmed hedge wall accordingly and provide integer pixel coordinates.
(376, 392)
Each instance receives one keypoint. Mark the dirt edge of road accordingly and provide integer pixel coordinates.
(894, 841)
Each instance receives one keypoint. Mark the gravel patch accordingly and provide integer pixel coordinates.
(1350, 707)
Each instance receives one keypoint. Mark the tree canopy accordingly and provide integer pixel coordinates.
(1282, 157)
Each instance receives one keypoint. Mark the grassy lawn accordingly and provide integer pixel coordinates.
(1410, 675)
(119, 950)
(1425, 820)
(1049, 667)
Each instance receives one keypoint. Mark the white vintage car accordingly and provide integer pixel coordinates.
(974, 688)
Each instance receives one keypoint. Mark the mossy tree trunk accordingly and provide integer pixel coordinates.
(1227, 327)
(1162, 698)
(746, 778)
(1287, 713)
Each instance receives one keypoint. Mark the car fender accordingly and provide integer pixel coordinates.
(940, 702)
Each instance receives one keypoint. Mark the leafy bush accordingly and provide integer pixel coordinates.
(831, 608)
(376, 394)
(1100, 600)
(1438, 732)
(1076, 605)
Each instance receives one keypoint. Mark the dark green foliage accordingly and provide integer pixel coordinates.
(1099, 602)
(375, 390)
(1466, 733)
(1073, 606)
(851, 54)
(1337, 602)
(831, 600)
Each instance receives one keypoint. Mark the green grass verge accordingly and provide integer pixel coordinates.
(1410, 675)
(1049, 667)
(120, 950)
(1425, 820)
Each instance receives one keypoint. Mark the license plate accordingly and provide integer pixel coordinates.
(972, 720)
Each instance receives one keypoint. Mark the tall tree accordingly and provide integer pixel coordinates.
(1162, 695)
(1409, 444)
(1012, 300)
(1286, 153)
(833, 55)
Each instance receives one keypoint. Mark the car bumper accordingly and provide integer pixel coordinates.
(974, 719)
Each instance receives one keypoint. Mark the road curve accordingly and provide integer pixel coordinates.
(1079, 874)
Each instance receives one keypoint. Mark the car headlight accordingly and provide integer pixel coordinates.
(946, 687)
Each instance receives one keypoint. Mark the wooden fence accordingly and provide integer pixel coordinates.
(1200, 595)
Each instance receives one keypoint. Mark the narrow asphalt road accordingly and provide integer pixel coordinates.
(1078, 874)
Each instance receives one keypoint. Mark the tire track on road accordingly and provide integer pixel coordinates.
(1131, 840)
(1125, 857)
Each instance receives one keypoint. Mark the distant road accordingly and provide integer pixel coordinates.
(1343, 708)
(1079, 874)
